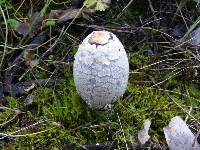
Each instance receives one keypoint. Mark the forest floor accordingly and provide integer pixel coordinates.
(40, 107)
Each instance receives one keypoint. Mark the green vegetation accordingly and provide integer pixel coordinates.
(161, 82)
(68, 120)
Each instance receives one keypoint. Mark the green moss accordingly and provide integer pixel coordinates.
(58, 118)
(63, 105)
(71, 122)
(12, 102)
(147, 104)
(194, 90)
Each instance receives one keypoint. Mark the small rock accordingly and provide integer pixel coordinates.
(143, 136)
(179, 136)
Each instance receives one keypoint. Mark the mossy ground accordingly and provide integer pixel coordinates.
(65, 120)
(59, 119)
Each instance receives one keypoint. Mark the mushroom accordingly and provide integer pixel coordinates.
(101, 69)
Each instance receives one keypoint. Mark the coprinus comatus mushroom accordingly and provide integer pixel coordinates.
(101, 69)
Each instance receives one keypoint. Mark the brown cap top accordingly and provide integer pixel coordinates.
(99, 38)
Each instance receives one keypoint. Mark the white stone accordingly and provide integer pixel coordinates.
(179, 136)
(101, 66)
(143, 135)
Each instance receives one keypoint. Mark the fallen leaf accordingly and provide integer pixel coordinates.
(70, 14)
(33, 62)
(23, 29)
(54, 14)
(103, 5)
(31, 27)
(27, 89)
(90, 3)
(99, 5)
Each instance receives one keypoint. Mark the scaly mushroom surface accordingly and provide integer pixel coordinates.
(101, 69)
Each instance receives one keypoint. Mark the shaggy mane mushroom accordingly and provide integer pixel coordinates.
(101, 69)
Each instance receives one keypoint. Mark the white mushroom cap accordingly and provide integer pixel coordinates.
(101, 69)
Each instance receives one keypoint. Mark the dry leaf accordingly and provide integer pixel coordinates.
(33, 62)
(100, 5)
(35, 21)
(23, 29)
(28, 88)
(32, 27)
(70, 14)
